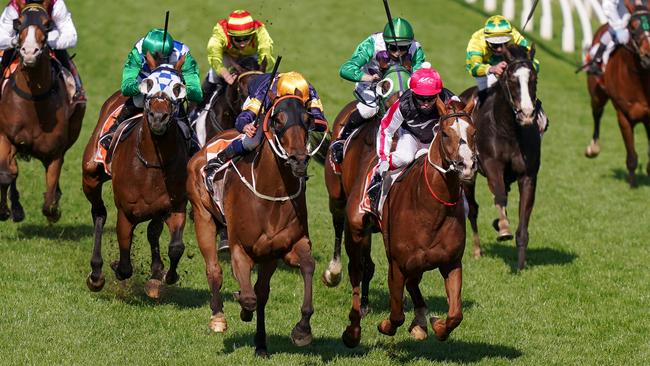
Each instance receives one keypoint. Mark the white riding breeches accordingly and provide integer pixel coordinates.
(484, 82)
(408, 148)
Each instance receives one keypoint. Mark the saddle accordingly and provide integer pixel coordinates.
(104, 156)
(217, 189)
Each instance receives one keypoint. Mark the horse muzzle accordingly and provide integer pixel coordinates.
(298, 165)
(158, 122)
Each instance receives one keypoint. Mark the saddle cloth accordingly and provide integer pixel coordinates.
(211, 151)
(102, 155)
(65, 75)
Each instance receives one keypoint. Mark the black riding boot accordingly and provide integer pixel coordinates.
(217, 162)
(355, 121)
(188, 132)
(127, 112)
(595, 66)
(374, 191)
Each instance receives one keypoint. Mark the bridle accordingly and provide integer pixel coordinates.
(506, 85)
(643, 31)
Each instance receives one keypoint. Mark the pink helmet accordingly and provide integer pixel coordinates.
(426, 81)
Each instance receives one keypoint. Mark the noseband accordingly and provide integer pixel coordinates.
(504, 80)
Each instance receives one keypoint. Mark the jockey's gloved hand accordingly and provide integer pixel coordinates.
(14, 41)
(383, 167)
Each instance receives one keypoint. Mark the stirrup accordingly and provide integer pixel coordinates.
(337, 151)
(105, 140)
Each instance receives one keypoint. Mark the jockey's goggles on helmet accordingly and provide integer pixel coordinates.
(401, 48)
(242, 39)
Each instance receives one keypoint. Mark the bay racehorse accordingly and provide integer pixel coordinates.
(224, 107)
(509, 145)
(626, 81)
(424, 223)
(266, 219)
(38, 118)
(351, 170)
(148, 170)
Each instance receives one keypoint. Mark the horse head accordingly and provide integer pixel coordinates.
(163, 92)
(519, 82)
(457, 138)
(245, 68)
(32, 27)
(287, 127)
(639, 28)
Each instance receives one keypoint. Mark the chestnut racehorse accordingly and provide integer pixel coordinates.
(266, 219)
(37, 117)
(626, 82)
(148, 173)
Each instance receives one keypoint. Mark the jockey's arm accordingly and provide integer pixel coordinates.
(130, 85)
(315, 109)
(418, 58)
(265, 47)
(248, 113)
(64, 35)
(190, 72)
(389, 125)
(216, 44)
(351, 69)
(7, 32)
(475, 62)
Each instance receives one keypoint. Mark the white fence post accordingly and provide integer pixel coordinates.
(546, 22)
(490, 5)
(525, 10)
(509, 9)
(568, 44)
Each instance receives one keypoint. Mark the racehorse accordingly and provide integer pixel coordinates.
(432, 234)
(223, 108)
(351, 169)
(37, 116)
(148, 173)
(626, 82)
(509, 145)
(267, 219)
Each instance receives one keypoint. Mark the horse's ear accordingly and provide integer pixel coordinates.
(145, 86)
(179, 65)
(531, 52)
(263, 64)
(442, 108)
(151, 61)
(469, 107)
(298, 93)
(179, 90)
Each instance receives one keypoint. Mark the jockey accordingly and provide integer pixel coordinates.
(371, 58)
(61, 37)
(484, 59)
(617, 34)
(412, 118)
(233, 39)
(136, 69)
(284, 84)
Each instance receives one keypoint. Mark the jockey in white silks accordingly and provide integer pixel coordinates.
(617, 34)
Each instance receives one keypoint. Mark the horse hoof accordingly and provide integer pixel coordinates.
(418, 333)
(331, 279)
(246, 315)
(504, 235)
(351, 337)
(152, 288)
(386, 328)
(440, 328)
(115, 266)
(17, 214)
(171, 278)
(633, 182)
(262, 353)
(5, 215)
(301, 338)
(52, 216)
(95, 286)
(592, 150)
(476, 253)
(218, 323)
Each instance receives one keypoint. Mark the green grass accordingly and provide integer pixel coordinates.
(583, 298)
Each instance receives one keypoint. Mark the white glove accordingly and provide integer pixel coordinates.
(52, 36)
(14, 41)
(383, 167)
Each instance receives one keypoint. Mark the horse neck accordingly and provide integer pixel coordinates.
(445, 186)
(37, 78)
(501, 107)
(158, 149)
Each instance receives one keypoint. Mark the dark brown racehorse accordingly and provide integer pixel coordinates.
(424, 224)
(359, 226)
(148, 173)
(509, 145)
(225, 107)
(36, 115)
(267, 219)
(626, 82)
(352, 170)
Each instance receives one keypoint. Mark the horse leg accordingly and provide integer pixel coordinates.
(123, 268)
(242, 265)
(152, 287)
(494, 172)
(4, 208)
(598, 100)
(17, 211)
(53, 193)
(418, 328)
(206, 232)
(332, 275)
(470, 195)
(92, 187)
(175, 223)
(354, 239)
(262, 288)
(631, 160)
(368, 273)
(527, 186)
(453, 275)
(646, 124)
(301, 255)
(396, 288)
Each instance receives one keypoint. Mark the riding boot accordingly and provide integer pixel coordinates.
(214, 164)
(354, 122)
(595, 66)
(127, 112)
(374, 191)
(188, 132)
(66, 61)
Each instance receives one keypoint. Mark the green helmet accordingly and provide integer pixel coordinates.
(155, 44)
(403, 32)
